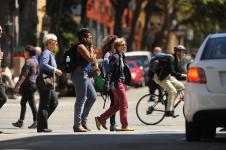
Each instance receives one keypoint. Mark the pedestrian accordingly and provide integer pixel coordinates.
(3, 97)
(48, 97)
(8, 82)
(117, 78)
(26, 86)
(165, 75)
(179, 55)
(38, 52)
(157, 51)
(85, 91)
(108, 51)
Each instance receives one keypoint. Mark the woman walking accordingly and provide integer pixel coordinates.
(48, 97)
(26, 86)
(108, 51)
(85, 92)
(116, 78)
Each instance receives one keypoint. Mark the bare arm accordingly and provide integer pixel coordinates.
(89, 56)
(18, 84)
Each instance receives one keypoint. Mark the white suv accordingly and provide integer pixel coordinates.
(205, 92)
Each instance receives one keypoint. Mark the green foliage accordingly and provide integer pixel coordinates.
(206, 17)
(68, 25)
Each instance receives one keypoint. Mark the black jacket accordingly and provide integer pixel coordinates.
(116, 70)
(178, 68)
(166, 67)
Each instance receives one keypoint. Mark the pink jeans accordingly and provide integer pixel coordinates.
(120, 103)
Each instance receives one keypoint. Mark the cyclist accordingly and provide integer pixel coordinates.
(165, 74)
(179, 54)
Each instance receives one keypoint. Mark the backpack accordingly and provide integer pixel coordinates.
(100, 80)
(158, 62)
(69, 59)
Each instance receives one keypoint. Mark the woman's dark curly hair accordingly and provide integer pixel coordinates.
(108, 41)
(30, 49)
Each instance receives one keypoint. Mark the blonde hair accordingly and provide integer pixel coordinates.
(118, 42)
(48, 37)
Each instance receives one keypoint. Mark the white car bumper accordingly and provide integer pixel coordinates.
(198, 99)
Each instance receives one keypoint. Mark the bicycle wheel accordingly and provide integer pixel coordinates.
(150, 112)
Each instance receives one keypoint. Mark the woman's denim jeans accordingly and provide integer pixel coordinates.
(85, 96)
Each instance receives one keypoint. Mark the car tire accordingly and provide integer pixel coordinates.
(193, 132)
(209, 132)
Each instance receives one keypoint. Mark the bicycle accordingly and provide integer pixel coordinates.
(151, 108)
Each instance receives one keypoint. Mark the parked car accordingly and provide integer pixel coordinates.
(143, 59)
(137, 74)
(205, 92)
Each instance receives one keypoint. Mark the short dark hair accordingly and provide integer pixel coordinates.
(30, 49)
(82, 33)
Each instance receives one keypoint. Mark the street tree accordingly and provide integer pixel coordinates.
(28, 21)
(84, 13)
(136, 14)
(119, 7)
(62, 22)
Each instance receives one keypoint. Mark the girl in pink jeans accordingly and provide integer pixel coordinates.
(116, 78)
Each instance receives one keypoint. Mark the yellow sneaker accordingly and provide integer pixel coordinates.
(98, 124)
(127, 129)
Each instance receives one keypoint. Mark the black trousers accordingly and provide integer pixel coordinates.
(3, 97)
(112, 119)
(153, 86)
(27, 92)
(47, 105)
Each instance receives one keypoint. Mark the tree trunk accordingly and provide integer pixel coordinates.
(83, 13)
(133, 24)
(148, 13)
(54, 9)
(7, 40)
(28, 21)
(119, 6)
(162, 34)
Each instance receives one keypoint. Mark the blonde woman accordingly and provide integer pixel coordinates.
(117, 78)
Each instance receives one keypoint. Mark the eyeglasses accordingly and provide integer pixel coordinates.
(123, 44)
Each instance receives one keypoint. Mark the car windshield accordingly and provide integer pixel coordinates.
(131, 65)
(215, 49)
(140, 60)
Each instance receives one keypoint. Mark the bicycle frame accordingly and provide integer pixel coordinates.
(180, 97)
(151, 108)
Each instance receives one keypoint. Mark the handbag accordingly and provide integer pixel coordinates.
(95, 71)
(99, 82)
(45, 82)
(48, 81)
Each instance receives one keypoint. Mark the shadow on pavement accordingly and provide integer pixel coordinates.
(112, 142)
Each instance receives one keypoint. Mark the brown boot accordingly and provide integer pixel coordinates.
(79, 129)
(85, 127)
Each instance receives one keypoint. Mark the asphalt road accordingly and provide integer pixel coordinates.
(169, 134)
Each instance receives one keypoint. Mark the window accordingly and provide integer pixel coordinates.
(215, 49)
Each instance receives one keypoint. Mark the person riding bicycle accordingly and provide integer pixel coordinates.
(164, 75)
(179, 54)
